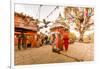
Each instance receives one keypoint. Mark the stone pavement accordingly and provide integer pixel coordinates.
(76, 52)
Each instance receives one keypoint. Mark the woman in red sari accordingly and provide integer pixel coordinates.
(65, 38)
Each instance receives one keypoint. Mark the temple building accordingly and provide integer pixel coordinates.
(25, 30)
(58, 26)
(59, 23)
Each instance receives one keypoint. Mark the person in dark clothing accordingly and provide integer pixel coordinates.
(19, 42)
(23, 40)
(46, 38)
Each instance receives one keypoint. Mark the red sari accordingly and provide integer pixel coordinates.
(65, 38)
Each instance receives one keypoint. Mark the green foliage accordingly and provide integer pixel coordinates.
(89, 38)
(72, 37)
(92, 37)
(86, 39)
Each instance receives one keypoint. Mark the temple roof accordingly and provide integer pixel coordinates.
(60, 19)
(59, 22)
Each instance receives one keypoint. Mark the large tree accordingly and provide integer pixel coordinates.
(81, 17)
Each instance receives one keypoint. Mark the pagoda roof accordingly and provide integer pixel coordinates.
(59, 22)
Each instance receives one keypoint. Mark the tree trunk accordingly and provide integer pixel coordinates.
(81, 38)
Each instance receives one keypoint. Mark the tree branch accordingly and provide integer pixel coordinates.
(88, 26)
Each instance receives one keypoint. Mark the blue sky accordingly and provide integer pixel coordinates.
(33, 10)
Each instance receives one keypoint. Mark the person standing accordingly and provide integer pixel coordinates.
(55, 44)
(65, 38)
(19, 42)
(23, 40)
